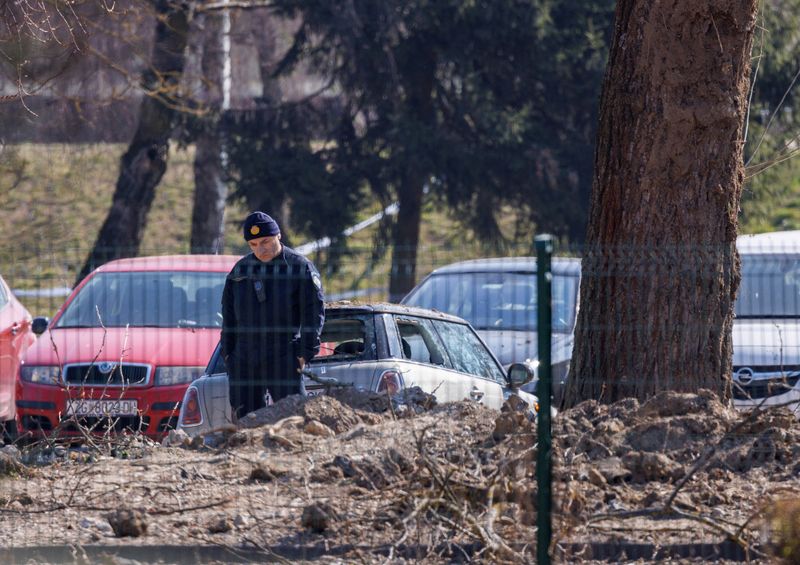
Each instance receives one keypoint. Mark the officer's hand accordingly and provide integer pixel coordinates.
(302, 363)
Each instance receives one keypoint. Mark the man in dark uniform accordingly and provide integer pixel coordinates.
(272, 315)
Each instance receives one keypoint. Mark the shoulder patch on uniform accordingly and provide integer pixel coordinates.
(317, 280)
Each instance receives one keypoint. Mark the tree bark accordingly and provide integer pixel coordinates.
(660, 270)
(418, 87)
(403, 275)
(210, 192)
(145, 161)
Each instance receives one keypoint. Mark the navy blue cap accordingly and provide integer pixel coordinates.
(259, 224)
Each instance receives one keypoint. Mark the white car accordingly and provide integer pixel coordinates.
(766, 330)
(382, 348)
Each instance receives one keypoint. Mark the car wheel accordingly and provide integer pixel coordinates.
(9, 431)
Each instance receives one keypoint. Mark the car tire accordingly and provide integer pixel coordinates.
(10, 431)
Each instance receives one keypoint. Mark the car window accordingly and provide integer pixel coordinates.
(419, 341)
(466, 351)
(148, 298)
(346, 339)
(770, 287)
(216, 364)
(497, 300)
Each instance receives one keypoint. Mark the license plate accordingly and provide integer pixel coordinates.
(102, 408)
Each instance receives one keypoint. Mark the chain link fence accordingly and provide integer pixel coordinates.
(424, 446)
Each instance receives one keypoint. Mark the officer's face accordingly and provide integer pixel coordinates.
(266, 248)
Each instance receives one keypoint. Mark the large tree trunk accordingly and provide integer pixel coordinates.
(660, 271)
(145, 161)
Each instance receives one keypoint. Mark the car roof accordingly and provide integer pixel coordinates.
(211, 263)
(559, 265)
(352, 307)
(773, 243)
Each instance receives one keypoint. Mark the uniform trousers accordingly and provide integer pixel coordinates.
(248, 385)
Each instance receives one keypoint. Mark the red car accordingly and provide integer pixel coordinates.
(120, 352)
(15, 337)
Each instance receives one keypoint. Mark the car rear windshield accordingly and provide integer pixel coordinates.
(770, 287)
(497, 300)
(148, 299)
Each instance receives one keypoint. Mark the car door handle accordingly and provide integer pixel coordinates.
(476, 394)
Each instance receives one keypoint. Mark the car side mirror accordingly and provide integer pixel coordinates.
(39, 325)
(519, 374)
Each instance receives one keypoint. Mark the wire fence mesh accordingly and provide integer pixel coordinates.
(424, 446)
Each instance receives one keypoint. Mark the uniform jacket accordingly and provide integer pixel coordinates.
(270, 311)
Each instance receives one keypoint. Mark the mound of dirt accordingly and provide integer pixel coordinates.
(678, 427)
(678, 468)
(343, 408)
(363, 470)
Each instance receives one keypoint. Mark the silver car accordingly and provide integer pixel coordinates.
(766, 330)
(383, 348)
(498, 297)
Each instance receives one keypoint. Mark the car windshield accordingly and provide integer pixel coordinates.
(467, 353)
(147, 299)
(770, 287)
(497, 300)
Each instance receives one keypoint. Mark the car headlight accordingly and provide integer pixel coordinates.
(41, 374)
(169, 376)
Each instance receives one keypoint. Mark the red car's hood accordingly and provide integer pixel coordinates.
(156, 346)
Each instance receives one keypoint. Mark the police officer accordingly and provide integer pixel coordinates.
(272, 315)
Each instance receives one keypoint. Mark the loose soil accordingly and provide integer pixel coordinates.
(352, 476)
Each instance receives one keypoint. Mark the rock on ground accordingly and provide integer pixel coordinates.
(128, 522)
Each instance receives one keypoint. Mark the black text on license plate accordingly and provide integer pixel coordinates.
(102, 407)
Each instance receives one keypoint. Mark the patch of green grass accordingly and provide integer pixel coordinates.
(60, 195)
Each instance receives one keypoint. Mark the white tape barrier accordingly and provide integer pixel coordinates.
(307, 248)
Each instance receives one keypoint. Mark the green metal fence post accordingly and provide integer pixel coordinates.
(544, 390)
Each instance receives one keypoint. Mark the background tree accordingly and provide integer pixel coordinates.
(145, 161)
(210, 186)
(770, 198)
(660, 271)
(434, 98)
(277, 166)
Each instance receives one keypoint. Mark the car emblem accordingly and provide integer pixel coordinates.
(105, 367)
(744, 375)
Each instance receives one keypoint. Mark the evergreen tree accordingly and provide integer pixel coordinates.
(482, 104)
